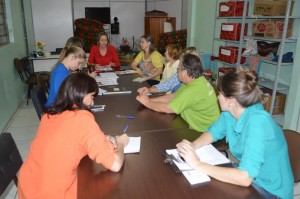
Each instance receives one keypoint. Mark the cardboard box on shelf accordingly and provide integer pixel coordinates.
(229, 54)
(271, 7)
(271, 28)
(232, 8)
(232, 31)
(279, 103)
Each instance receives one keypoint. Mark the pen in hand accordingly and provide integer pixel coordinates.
(125, 129)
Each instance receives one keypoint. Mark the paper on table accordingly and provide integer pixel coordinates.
(125, 72)
(195, 177)
(104, 81)
(101, 91)
(133, 145)
(140, 79)
(109, 75)
(208, 154)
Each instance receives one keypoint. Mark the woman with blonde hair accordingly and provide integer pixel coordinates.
(70, 61)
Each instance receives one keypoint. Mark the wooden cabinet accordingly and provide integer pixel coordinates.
(154, 25)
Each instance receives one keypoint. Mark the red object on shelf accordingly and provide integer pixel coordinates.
(232, 8)
(232, 31)
(225, 70)
(229, 54)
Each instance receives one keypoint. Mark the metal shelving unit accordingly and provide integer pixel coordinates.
(274, 85)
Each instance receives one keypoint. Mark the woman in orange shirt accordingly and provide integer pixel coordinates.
(68, 132)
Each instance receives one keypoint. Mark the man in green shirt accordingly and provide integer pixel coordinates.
(195, 100)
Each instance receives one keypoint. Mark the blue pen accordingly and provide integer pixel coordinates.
(125, 116)
(125, 129)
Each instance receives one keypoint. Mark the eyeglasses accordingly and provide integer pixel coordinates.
(179, 69)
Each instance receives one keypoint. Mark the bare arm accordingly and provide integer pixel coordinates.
(204, 139)
(164, 99)
(159, 105)
(147, 90)
(230, 175)
(120, 143)
(134, 66)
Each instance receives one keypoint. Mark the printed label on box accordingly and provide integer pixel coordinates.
(227, 27)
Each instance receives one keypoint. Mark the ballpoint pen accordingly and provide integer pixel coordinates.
(125, 129)
(125, 116)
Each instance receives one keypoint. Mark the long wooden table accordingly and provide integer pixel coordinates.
(145, 120)
(145, 175)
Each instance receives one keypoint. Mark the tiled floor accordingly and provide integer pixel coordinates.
(23, 128)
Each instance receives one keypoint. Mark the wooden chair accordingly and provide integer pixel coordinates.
(43, 82)
(27, 74)
(10, 161)
(293, 142)
(26, 77)
(39, 99)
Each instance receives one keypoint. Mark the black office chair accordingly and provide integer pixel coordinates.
(10, 161)
(293, 142)
(39, 99)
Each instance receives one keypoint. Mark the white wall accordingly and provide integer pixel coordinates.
(52, 22)
(172, 7)
(130, 14)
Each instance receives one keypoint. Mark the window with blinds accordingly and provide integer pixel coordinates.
(4, 35)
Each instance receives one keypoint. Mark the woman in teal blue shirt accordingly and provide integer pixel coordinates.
(253, 136)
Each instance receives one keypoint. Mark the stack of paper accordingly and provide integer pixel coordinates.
(208, 154)
(107, 79)
(126, 72)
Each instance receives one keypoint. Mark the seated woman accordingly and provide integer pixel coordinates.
(149, 62)
(254, 138)
(68, 62)
(172, 83)
(172, 54)
(104, 54)
(67, 133)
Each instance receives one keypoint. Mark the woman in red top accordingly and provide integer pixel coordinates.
(104, 55)
(67, 133)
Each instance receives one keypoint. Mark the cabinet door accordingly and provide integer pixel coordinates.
(155, 25)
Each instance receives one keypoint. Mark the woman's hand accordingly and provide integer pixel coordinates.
(122, 139)
(140, 72)
(186, 150)
(92, 74)
(111, 64)
(143, 90)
